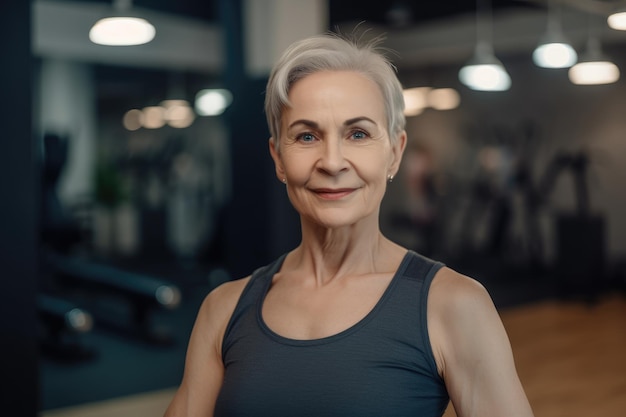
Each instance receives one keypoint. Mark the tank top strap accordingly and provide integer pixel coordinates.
(261, 279)
(251, 296)
(422, 268)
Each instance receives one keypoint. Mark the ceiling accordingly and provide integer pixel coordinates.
(435, 31)
(393, 13)
(427, 33)
(190, 35)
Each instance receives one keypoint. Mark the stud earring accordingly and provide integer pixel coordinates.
(284, 180)
(389, 178)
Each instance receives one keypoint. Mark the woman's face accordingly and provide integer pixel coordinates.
(335, 153)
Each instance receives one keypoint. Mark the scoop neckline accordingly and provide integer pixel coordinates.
(334, 337)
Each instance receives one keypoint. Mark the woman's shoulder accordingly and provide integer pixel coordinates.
(220, 303)
(227, 292)
(460, 313)
(452, 289)
(458, 303)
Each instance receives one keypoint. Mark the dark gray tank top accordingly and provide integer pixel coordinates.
(382, 366)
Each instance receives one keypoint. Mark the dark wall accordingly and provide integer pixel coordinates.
(18, 217)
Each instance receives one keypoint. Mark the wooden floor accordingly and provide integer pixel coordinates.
(571, 358)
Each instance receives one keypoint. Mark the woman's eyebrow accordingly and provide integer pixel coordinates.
(358, 119)
(308, 123)
(314, 125)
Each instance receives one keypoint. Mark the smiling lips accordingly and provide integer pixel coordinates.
(333, 193)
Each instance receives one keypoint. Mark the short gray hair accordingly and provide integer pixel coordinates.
(331, 52)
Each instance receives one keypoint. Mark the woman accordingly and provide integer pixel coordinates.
(348, 323)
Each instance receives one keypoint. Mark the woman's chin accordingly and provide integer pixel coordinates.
(336, 220)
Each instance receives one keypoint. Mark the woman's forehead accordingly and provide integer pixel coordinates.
(346, 93)
(336, 78)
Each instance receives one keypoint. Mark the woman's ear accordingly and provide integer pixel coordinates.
(278, 164)
(397, 150)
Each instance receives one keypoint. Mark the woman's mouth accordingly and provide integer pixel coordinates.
(333, 193)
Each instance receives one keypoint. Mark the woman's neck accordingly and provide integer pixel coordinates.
(329, 254)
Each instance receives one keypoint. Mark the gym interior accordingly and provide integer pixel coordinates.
(125, 201)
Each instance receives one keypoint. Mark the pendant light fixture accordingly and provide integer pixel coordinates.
(594, 67)
(553, 50)
(617, 19)
(212, 102)
(122, 29)
(484, 72)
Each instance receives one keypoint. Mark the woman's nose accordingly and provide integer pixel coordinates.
(332, 159)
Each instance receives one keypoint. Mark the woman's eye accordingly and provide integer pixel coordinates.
(358, 134)
(306, 137)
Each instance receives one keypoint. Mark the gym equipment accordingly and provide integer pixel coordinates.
(142, 293)
(62, 321)
(580, 265)
(580, 236)
(145, 289)
(72, 279)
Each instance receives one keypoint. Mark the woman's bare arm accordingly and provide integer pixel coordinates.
(204, 370)
(473, 350)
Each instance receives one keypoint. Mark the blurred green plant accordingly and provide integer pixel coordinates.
(110, 189)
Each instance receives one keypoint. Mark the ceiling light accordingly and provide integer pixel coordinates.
(617, 20)
(133, 119)
(555, 55)
(418, 99)
(153, 117)
(415, 100)
(594, 68)
(484, 72)
(178, 113)
(594, 73)
(212, 102)
(443, 98)
(553, 50)
(122, 29)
